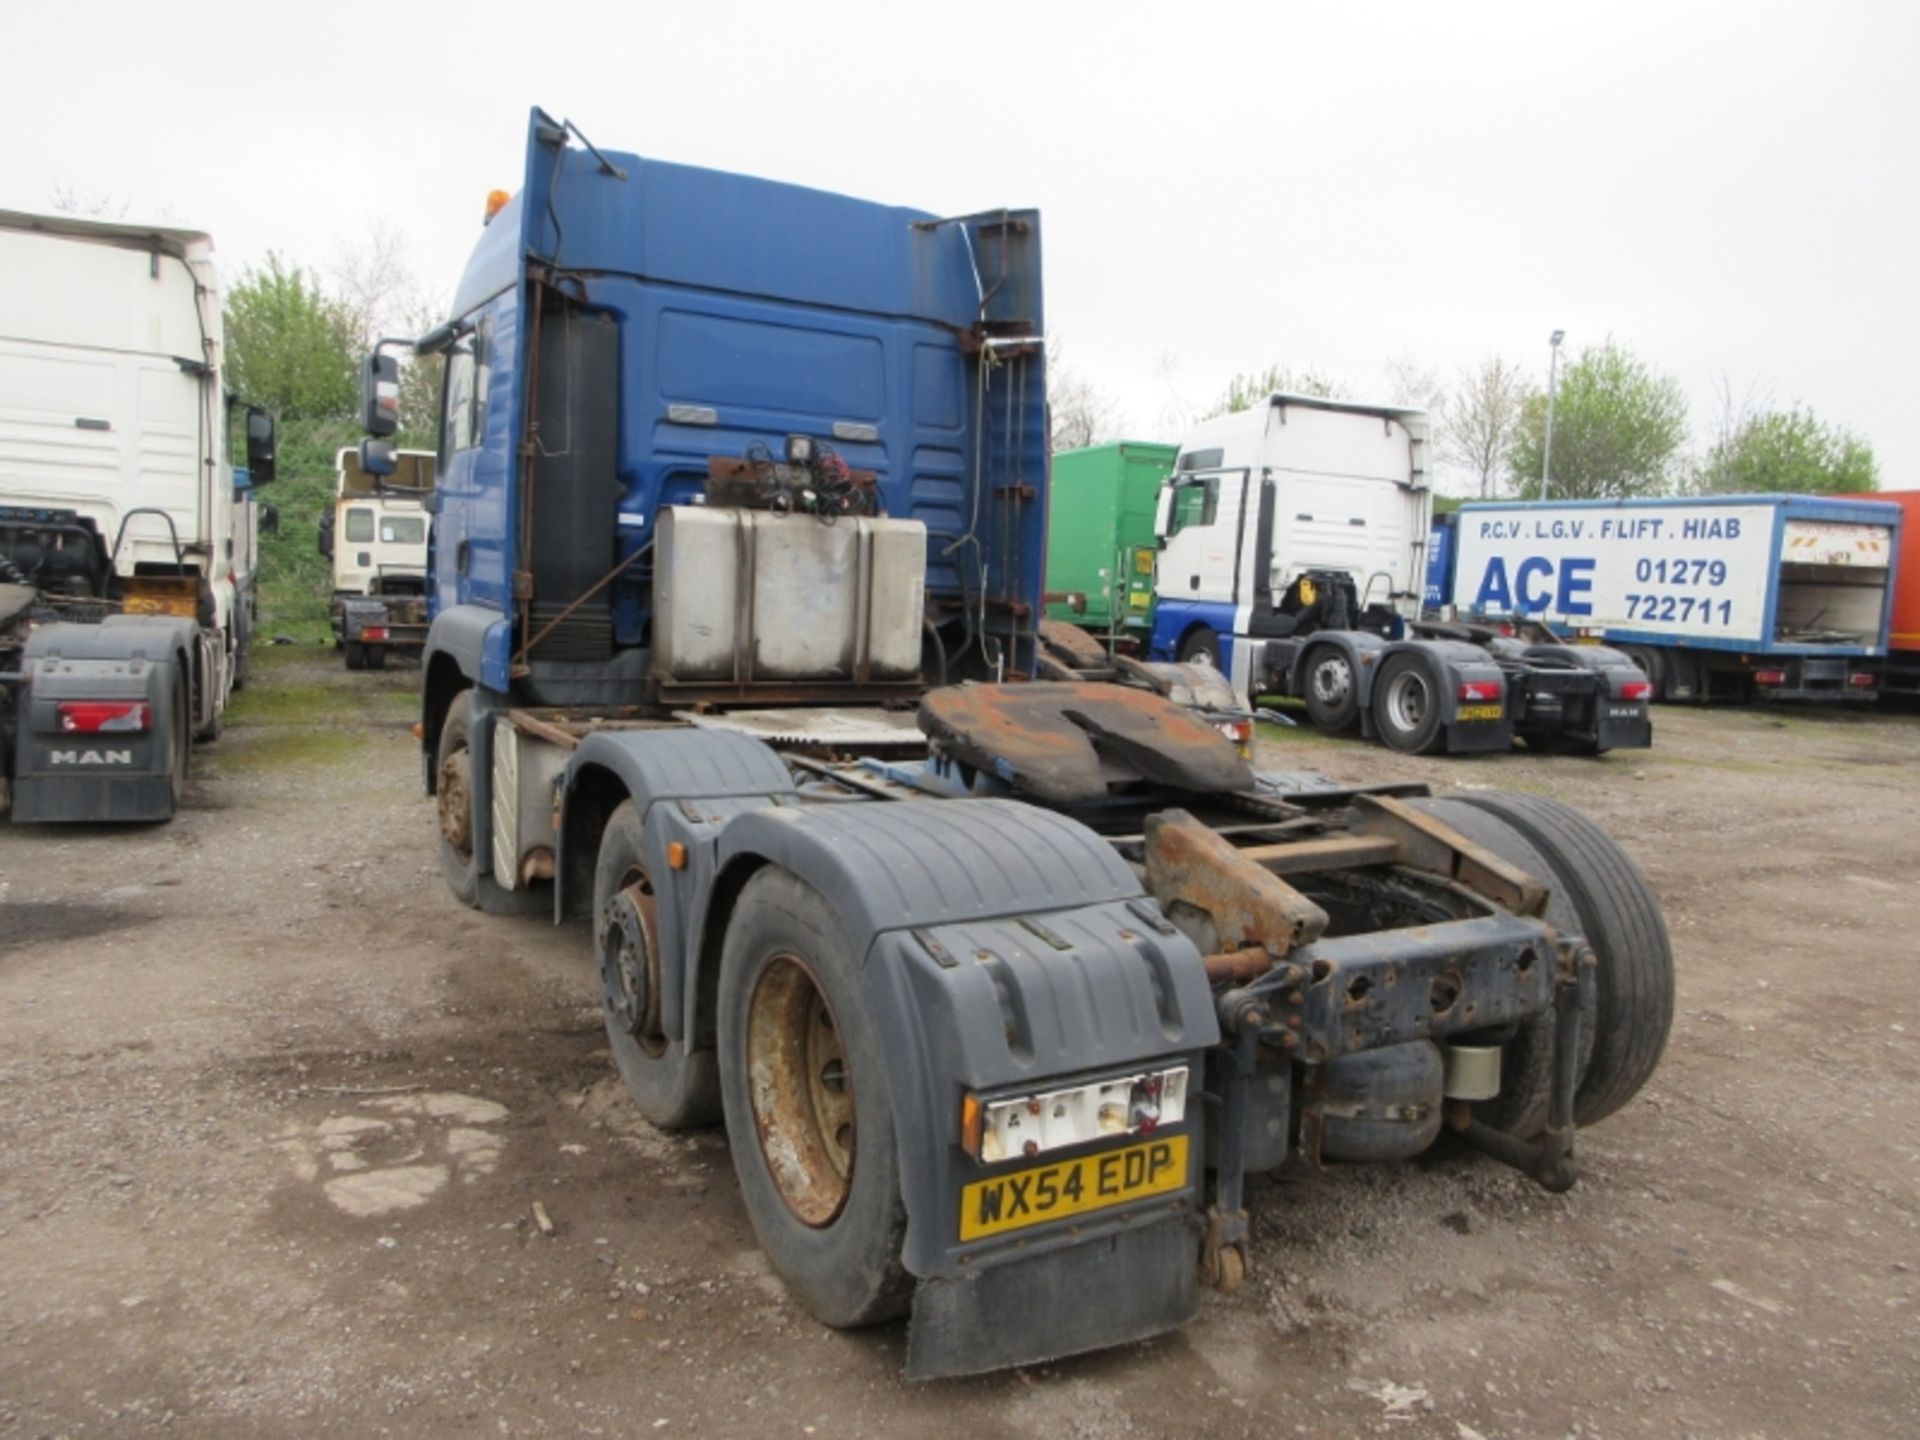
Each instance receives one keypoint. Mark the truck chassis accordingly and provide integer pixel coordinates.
(1000, 1017)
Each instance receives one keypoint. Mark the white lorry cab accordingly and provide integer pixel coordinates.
(122, 592)
(1293, 545)
(376, 536)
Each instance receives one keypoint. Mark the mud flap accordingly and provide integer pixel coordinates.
(1128, 1286)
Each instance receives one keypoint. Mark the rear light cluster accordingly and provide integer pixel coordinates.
(1861, 680)
(1635, 689)
(374, 632)
(104, 717)
(1027, 1125)
(1479, 689)
(1769, 677)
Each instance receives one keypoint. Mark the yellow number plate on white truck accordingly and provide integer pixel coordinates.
(1072, 1187)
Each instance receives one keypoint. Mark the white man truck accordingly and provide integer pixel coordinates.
(120, 595)
(1293, 541)
(376, 536)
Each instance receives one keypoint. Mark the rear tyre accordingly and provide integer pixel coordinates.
(673, 1087)
(181, 746)
(453, 792)
(1201, 644)
(1331, 690)
(1620, 918)
(376, 657)
(809, 1117)
(1407, 705)
(356, 655)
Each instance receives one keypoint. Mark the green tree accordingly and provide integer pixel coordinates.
(1619, 427)
(1243, 392)
(291, 346)
(1788, 451)
(1480, 418)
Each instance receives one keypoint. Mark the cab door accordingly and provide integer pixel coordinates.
(1200, 524)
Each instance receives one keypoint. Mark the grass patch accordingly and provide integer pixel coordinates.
(282, 749)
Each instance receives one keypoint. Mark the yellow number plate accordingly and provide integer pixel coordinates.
(1477, 712)
(1072, 1187)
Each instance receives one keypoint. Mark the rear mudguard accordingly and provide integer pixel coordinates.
(1005, 947)
(107, 776)
(1610, 721)
(1452, 663)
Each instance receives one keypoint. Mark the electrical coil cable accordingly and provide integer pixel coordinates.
(823, 486)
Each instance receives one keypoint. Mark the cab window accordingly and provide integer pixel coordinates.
(1195, 502)
(457, 430)
(359, 526)
(402, 530)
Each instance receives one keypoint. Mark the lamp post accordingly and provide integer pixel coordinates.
(1553, 381)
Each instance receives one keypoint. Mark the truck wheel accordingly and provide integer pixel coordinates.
(1201, 644)
(375, 657)
(453, 793)
(809, 1118)
(1407, 705)
(356, 655)
(1621, 920)
(182, 750)
(1526, 1061)
(672, 1086)
(1332, 696)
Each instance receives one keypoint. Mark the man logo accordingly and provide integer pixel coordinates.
(90, 757)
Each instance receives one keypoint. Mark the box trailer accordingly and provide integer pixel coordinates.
(1786, 596)
(1100, 541)
(1900, 672)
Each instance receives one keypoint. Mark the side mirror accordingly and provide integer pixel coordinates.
(1163, 511)
(380, 397)
(269, 519)
(377, 458)
(260, 446)
(325, 539)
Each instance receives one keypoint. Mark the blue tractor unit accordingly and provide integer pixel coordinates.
(1002, 975)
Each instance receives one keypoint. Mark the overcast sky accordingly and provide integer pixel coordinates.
(1722, 187)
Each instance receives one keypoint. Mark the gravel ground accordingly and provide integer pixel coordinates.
(275, 1112)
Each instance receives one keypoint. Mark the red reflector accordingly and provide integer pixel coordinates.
(1479, 689)
(1860, 679)
(98, 717)
(1636, 689)
(1769, 677)
(374, 632)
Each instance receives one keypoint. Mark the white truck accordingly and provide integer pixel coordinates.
(121, 598)
(376, 536)
(1783, 596)
(1293, 541)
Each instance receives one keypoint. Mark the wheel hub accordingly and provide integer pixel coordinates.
(629, 965)
(1407, 700)
(1332, 680)
(456, 813)
(801, 1087)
